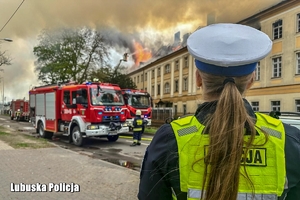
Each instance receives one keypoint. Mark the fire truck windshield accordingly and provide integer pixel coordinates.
(139, 101)
(106, 97)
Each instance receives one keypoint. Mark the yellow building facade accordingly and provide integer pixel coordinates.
(171, 79)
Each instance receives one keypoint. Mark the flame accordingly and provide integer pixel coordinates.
(141, 54)
(176, 48)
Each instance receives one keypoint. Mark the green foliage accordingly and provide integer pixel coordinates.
(108, 75)
(71, 54)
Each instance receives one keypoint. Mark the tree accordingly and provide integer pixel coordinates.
(4, 59)
(110, 75)
(69, 54)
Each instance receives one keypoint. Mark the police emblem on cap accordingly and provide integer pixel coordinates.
(228, 49)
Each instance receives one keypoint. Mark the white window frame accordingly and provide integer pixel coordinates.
(297, 103)
(277, 63)
(185, 84)
(257, 72)
(158, 72)
(277, 29)
(176, 86)
(186, 61)
(167, 88)
(298, 63)
(167, 68)
(275, 106)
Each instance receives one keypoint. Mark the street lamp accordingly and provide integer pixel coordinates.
(6, 39)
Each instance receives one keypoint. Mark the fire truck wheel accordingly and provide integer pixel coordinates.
(43, 133)
(113, 138)
(77, 138)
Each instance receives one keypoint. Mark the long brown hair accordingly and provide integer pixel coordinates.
(226, 128)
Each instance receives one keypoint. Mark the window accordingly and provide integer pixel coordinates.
(138, 79)
(158, 71)
(184, 109)
(142, 78)
(158, 89)
(277, 30)
(298, 23)
(152, 90)
(74, 94)
(255, 105)
(134, 79)
(176, 65)
(67, 97)
(297, 105)
(186, 61)
(167, 88)
(145, 76)
(298, 63)
(185, 84)
(175, 110)
(257, 72)
(152, 74)
(275, 105)
(167, 69)
(176, 85)
(276, 67)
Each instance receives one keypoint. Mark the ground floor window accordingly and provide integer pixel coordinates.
(297, 105)
(255, 105)
(275, 105)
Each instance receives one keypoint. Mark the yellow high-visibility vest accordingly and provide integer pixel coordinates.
(265, 164)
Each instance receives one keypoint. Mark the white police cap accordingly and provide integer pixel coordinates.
(228, 49)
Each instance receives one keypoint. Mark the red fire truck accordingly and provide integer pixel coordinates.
(19, 110)
(137, 100)
(79, 111)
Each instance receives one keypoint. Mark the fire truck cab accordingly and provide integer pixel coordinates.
(79, 111)
(137, 100)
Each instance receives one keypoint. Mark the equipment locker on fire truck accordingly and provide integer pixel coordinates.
(79, 111)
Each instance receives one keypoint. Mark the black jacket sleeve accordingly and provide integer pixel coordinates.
(292, 159)
(154, 179)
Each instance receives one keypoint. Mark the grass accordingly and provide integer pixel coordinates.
(150, 130)
(18, 140)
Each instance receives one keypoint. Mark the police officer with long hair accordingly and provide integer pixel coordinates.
(225, 151)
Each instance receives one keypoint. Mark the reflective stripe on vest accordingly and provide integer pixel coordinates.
(137, 129)
(196, 194)
(265, 164)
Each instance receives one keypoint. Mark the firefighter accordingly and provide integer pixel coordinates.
(224, 151)
(138, 127)
(18, 114)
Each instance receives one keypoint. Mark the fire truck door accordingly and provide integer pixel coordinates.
(67, 108)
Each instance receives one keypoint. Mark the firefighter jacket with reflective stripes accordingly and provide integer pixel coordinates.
(265, 164)
(138, 124)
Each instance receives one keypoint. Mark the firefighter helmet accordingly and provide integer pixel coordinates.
(138, 112)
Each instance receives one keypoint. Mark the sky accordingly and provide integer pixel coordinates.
(152, 23)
